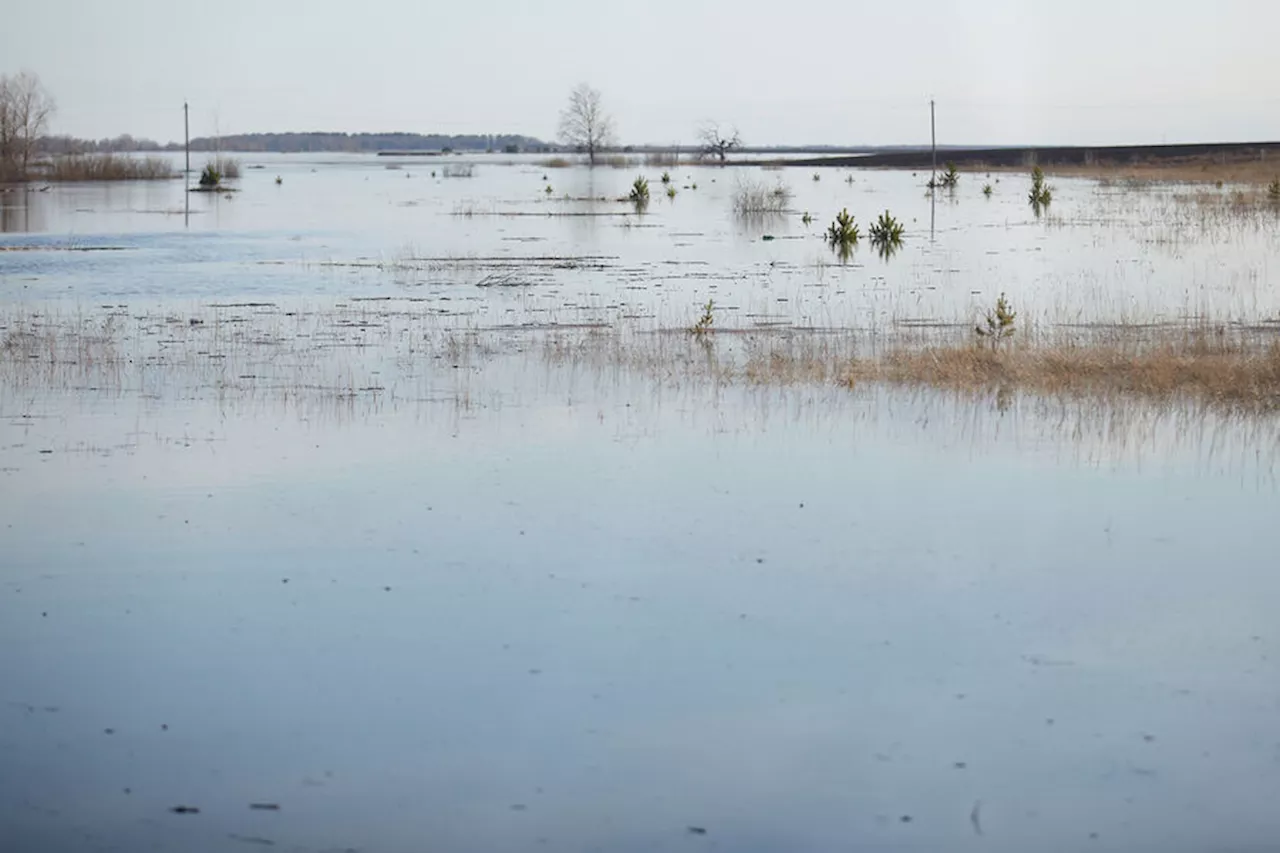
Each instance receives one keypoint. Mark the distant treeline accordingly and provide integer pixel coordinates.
(315, 141)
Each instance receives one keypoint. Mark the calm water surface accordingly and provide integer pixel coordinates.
(539, 604)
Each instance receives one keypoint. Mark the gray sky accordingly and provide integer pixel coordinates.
(828, 71)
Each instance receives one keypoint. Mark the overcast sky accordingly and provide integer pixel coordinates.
(823, 71)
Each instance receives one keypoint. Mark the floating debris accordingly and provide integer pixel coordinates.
(252, 839)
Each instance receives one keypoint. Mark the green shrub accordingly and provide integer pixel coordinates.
(1041, 194)
(999, 322)
(887, 231)
(210, 177)
(706, 321)
(640, 191)
(949, 178)
(843, 232)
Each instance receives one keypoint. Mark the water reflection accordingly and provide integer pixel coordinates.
(551, 608)
(22, 210)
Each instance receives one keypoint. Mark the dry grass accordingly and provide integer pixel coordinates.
(617, 161)
(756, 198)
(662, 159)
(108, 167)
(409, 347)
(457, 170)
(613, 161)
(1190, 170)
(227, 167)
(1228, 370)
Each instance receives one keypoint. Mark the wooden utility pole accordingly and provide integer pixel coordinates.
(933, 135)
(186, 172)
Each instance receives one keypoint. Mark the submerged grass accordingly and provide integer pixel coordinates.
(1194, 170)
(756, 198)
(1232, 370)
(399, 347)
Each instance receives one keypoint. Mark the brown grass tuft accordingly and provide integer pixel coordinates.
(108, 167)
(1240, 372)
(1190, 170)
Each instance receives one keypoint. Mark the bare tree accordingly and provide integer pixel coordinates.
(717, 142)
(584, 124)
(7, 132)
(25, 109)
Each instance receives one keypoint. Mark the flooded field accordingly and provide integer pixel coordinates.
(376, 510)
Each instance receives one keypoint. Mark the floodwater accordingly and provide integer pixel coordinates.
(326, 517)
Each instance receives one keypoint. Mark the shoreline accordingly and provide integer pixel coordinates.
(1244, 162)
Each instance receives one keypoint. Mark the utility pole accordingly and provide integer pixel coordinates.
(186, 173)
(933, 134)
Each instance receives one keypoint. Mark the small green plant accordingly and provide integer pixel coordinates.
(999, 323)
(1273, 191)
(640, 191)
(666, 177)
(671, 192)
(949, 178)
(210, 178)
(843, 232)
(807, 219)
(279, 180)
(986, 190)
(816, 176)
(887, 231)
(693, 187)
(1041, 194)
(548, 190)
(706, 321)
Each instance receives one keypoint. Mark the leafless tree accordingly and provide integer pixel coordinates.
(25, 109)
(584, 124)
(7, 132)
(717, 142)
